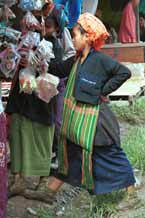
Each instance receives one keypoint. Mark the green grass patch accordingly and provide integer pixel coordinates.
(106, 205)
(103, 206)
(133, 114)
(45, 213)
(134, 145)
(86, 206)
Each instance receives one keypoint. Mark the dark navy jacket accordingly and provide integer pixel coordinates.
(99, 75)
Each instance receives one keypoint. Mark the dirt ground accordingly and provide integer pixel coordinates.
(19, 207)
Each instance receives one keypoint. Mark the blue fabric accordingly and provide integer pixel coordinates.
(73, 8)
(111, 168)
(60, 15)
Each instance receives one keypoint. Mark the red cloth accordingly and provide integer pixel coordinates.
(127, 32)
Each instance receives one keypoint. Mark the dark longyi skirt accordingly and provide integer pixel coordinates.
(111, 168)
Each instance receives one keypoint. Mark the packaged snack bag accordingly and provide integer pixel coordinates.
(31, 4)
(9, 60)
(47, 87)
(27, 81)
(30, 22)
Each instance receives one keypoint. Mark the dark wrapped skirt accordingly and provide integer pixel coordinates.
(111, 168)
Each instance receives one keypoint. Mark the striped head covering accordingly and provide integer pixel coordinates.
(96, 30)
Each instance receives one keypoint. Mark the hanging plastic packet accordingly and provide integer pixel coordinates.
(33, 61)
(43, 66)
(47, 87)
(9, 60)
(2, 31)
(6, 15)
(9, 3)
(30, 22)
(29, 55)
(43, 30)
(7, 12)
(1, 13)
(43, 54)
(28, 5)
(27, 81)
(12, 35)
(9, 34)
(45, 50)
(30, 40)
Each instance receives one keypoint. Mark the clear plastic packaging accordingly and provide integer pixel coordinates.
(31, 4)
(29, 56)
(27, 81)
(30, 40)
(43, 66)
(2, 31)
(12, 35)
(47, 87)
(45, 50)
(9, 34)
(30, 22)
(1, 12)
(40, 59)
(9, 61)
(9, 3)
(6, 13)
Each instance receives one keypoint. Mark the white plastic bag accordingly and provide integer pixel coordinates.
(30, 40)
(43, 54)
(6, 13)
(27, 81)
(9, 59)
(29, 22)
(45, 50)
(9, 3)
(31, 4)
(47, 87)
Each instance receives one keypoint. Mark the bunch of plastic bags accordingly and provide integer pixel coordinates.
(44, 85)
(31, 4)
(9, 3)
(27, 46)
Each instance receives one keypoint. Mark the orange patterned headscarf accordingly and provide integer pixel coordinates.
(96, 30)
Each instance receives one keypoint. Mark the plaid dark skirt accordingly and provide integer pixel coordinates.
(3, 167)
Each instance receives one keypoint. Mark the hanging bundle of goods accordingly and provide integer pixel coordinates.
(26, 45)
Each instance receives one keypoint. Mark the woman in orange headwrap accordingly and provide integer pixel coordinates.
(89, 147)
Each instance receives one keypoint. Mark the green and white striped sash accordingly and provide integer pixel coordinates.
(79, 126)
